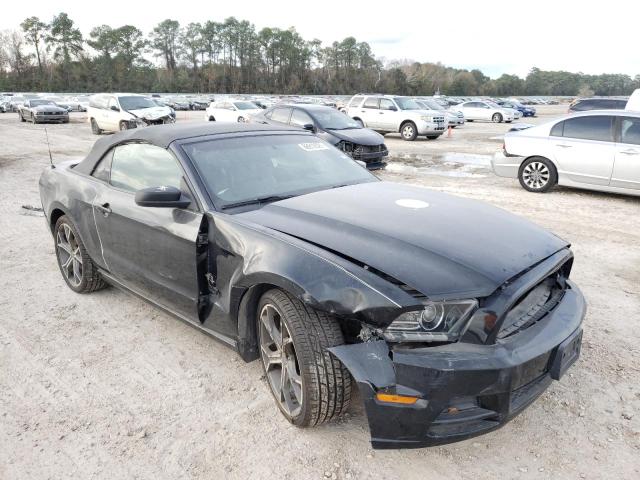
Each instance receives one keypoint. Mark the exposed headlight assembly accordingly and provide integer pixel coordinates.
(426, 118)
(435, 322)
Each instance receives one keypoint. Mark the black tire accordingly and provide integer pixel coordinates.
(89, 279)
(360, 122)
(94, 127)
(22, 119)
(123, 125)
(212, 119)
(242, 120)
(433, 137)
(497, 118)
(408, 131)
(540, 182)
(325, 382)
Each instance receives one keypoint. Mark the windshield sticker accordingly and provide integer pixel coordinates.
(313, 147)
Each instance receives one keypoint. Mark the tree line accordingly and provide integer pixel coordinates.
(233, 57)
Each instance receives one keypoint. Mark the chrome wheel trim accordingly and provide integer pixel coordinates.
(496, 118)
(407, 131)
(280, 361)
(69, 256)
(536, 175)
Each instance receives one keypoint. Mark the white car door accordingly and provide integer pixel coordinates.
(583, 148)
(112, 115)
(472, 110)
(388, 114)
(626, 168)
(370, 112)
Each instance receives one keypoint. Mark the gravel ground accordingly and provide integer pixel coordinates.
(106, 386)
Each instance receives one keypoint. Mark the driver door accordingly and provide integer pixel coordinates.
(150, 250)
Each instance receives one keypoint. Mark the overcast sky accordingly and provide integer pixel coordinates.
(494, 36)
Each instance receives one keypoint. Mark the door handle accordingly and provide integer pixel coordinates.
(631, 151)
(563, 145)
(104, 208)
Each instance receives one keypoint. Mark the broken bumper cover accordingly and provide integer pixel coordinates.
(464, 390)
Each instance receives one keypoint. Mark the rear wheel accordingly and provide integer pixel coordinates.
(359, 122)
(77, 268)
(309, 384)
(409, 131)
(123, 125)
(212, 119)
(537, 174)
(22, 119)
(497, 118)
(94, 127)
(241, 120)
(432, 137)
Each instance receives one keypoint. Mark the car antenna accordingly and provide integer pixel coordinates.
(49, 147)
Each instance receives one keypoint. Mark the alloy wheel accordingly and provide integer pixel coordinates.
(69, 255)
(536, 175)
(407, 131)
(280, 361)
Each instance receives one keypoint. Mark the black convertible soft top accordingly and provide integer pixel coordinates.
(164, 135)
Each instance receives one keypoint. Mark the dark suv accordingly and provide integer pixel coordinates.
(598, 103)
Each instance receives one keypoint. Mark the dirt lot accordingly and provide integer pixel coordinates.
(106, 386)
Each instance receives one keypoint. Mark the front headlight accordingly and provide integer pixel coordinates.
(426, 118)
(435, 322)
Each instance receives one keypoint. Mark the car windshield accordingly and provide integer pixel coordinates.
(35, 103)
(135, 103)
(268, 167)
(330, 119)
(246, 106)
(407, 103)
(432, 104)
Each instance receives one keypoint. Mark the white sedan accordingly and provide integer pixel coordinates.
(596, 150)
(231, 111)
(485, 110)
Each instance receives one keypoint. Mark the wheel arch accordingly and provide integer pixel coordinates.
(404, 122)
(529, 157)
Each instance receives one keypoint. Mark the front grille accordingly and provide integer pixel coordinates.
(438, 119)
(363, 152)
(534, 306)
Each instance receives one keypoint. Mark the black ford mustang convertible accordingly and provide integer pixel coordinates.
(451, 315)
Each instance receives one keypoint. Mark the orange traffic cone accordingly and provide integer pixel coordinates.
(449, 132)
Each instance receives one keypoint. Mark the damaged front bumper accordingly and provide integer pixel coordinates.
(145, 122)
(463, 389)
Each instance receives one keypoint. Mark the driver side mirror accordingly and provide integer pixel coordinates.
(392, 108)
(309, 127)
(115, 108)
(162, 197)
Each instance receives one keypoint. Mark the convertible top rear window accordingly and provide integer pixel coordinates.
(244, 168)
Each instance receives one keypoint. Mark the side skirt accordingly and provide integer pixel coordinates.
(228, 341)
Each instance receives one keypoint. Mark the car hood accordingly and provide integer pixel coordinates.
(441, 245)
(360, 136)
(151, 113)
(49, 108)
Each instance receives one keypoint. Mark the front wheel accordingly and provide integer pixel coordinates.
(497, 118)
(537, 174)
(409, 131)
(77, 268)
(310, 386)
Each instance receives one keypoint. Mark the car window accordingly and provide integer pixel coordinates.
(557, 130)
(597, 127)
(386, 104)
(370, 102)
(138, 165)
(300, 118)
(281, 115)
(630, 130)
(355, 101)
(112, 103)
(102, 171)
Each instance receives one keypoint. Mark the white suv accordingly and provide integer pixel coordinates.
(391, 114)
(110, 112)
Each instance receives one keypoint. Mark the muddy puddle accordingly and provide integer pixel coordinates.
(445, 164)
